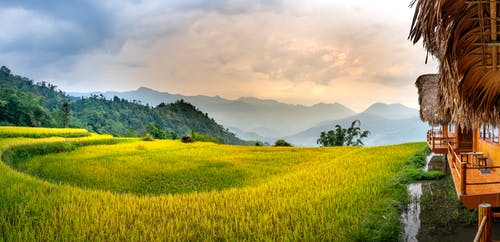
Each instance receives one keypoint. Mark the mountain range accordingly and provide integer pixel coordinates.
(267, 120)
(26, 103)
(264, 117)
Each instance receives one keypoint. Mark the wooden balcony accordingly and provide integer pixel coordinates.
(476, 180)
(437, 142)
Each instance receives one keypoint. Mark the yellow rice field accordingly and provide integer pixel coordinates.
(89, 193)
(13, 131)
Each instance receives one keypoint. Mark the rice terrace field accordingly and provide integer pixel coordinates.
(99, 188)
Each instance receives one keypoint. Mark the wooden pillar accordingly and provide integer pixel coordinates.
(463, 176)
(445, 134)
(485, 210)
(475, 139)
(445, 163)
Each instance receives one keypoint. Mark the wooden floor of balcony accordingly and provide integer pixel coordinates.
(479, 188)
(438, 148)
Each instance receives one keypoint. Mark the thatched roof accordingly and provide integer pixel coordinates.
(430, 100)
(462, 35)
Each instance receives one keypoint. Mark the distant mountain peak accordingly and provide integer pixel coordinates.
(391, 110)
(322, 104)
(254, 100)
(146, 89)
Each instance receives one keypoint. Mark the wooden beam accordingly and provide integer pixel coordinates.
(480, 11)
(493, 24)
(481, 183)
(477, 1)
(487, 18)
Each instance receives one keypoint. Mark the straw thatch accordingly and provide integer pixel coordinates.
(462, 35)
(430, 100)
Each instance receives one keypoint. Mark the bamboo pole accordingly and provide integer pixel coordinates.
(479, 233)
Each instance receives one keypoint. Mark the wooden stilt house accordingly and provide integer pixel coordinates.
(463, 36)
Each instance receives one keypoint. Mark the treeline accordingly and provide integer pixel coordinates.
(26, 103)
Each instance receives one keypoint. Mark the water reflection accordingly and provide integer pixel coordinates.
(411, 217)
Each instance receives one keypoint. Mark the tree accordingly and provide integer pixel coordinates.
(65, 112)
(354, 135)
(4, 71)
(23, 109)
(332, 137)
(351, 136)
(156, 131)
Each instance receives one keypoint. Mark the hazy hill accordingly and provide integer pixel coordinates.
(267, 120)
(264, 117)
(247, 135)
(385, 129)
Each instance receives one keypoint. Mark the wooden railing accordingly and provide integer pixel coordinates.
(460, 166)
(436, 138)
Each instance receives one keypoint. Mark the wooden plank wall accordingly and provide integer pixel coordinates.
(490, 150)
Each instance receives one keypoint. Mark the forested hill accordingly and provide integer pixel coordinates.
(25, 103)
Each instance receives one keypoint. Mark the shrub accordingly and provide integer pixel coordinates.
(207, 138)
(187, 139)
(281, 142)
(148, 137)
(258, 143)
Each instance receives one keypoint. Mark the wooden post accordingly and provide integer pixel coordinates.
(445, 133)
(458, 137)
(485, 210)
(463, 176)
(475, 139)
(445, 164)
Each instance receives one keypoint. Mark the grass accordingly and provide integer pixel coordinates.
(442, 213)
(412, 171)
(233, 193)
(383, 223)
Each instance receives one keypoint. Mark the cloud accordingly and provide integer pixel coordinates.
(231, 7)
(47, 31)
(294, 51)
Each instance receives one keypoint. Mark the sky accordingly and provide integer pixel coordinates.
(295, 51)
